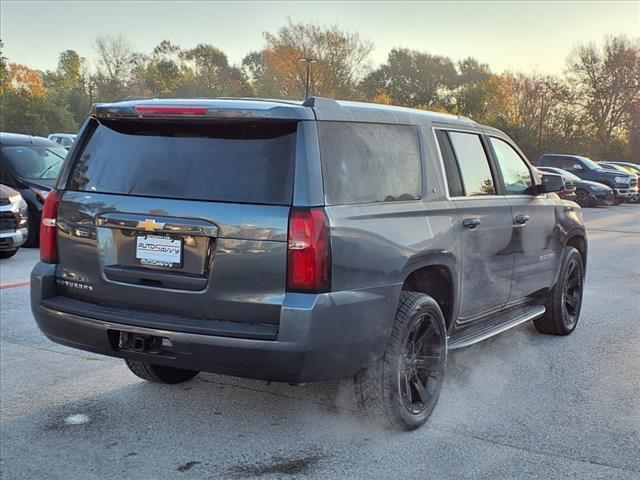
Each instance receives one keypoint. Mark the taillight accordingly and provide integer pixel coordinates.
(309, 251)
(48, 233)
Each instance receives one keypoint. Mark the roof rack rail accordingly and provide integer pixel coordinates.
(321, 102)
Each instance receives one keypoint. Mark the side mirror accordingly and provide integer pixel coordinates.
(552, 183)
(577, 166)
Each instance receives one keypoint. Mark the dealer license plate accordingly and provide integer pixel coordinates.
(159, 251)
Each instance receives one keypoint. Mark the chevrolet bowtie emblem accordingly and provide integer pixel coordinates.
(150, 225)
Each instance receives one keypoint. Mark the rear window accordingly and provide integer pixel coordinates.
(235, 162)
(367, 162)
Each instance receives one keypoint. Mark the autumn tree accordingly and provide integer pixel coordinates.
(340, 60)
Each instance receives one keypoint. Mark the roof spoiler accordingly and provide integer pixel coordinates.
(218, 109)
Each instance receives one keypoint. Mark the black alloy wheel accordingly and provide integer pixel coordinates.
(572, 293)
(422, 365)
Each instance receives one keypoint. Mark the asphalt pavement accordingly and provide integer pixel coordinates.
(520, 405)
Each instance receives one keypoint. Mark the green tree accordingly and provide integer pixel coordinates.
(209, 73)
(4, 71)
(340, 60)
(413, 79)
(606, 85)
(68, 84)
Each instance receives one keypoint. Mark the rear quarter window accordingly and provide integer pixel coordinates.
(367, 162)
(234, 162)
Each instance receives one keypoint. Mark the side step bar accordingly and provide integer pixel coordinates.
(485, 329)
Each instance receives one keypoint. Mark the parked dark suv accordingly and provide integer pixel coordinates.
(30, 165)
(625, 186)
(298, 242)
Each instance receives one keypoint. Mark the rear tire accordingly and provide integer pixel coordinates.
(404, 385)
(160, 373)
(565, 298)
(8, 253)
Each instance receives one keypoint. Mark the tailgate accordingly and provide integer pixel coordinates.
(186, 220)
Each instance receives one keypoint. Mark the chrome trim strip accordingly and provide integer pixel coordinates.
(124, 221)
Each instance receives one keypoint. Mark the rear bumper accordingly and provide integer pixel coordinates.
(10, 240)
(319, 337)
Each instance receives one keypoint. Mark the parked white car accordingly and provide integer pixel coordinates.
(64, 139)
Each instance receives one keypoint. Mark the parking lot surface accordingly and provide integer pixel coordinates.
(520, 405)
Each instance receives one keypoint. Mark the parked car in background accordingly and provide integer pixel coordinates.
(569, 190)
(588, 193)
(14, 217)
(632, 166)
(30, 165)
(624, 185)
(65, 139)
(301, 242)
(622, 168)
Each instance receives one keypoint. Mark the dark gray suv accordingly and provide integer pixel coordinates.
(302, 241)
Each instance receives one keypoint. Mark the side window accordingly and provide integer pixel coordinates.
(454, 182)
(369, 162)
(515, 172)
(473, 164)
(568, 163)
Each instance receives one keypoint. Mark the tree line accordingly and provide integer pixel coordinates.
(592, 109)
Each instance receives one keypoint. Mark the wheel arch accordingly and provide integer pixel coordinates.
(438, 278)
(578, 240)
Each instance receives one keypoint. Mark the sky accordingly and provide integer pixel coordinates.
(532, 37)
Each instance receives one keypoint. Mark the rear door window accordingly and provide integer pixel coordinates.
(473, 163)
(369, 162)
(235, 162)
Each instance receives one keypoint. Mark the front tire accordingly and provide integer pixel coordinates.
(159, 373)
(404, 385)
(33, 235)
(584, 199)
(565, 298)
(8, 253)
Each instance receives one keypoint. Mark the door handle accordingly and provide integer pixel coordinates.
(471, 223)
(522, 219)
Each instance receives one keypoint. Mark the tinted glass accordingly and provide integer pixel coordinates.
(246, 163)
(590, 163)
(515, 173)
(454, 182)
(473, 163)
(35, 162)
(366, 162)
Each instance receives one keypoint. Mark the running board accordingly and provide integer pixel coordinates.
(485, 329)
